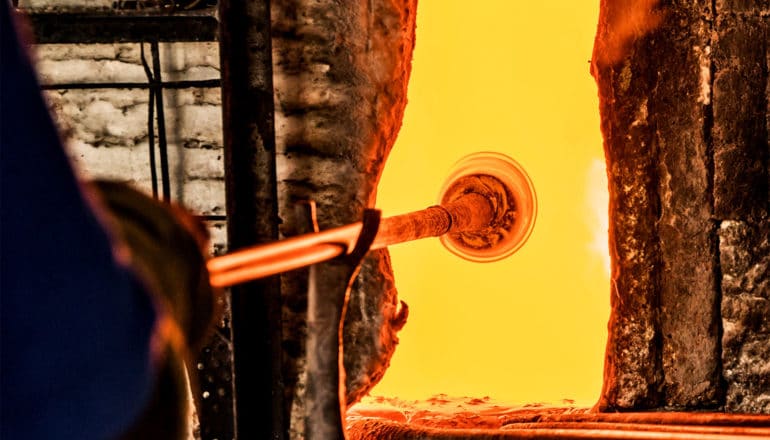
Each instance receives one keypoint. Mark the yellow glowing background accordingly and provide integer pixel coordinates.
(507, 76)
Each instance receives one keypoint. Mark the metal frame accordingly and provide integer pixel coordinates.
(122, 27)
(252, 209)
(116, 26)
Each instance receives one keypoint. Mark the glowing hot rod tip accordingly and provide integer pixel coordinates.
(509, 189)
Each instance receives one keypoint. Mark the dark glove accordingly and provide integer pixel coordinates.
(166, 247)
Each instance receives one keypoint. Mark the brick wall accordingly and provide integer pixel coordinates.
(106, 130)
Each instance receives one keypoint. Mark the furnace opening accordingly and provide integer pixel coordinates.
(513, 78)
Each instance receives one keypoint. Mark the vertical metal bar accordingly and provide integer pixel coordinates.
(328, 293)
(157, 85)
(151, 146)
(252, 212)
(150, 123)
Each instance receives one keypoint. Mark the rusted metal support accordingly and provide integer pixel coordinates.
(325, 407)
(110, 26)
(252, 211)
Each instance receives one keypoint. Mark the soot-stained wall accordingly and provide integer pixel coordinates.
(684, 103)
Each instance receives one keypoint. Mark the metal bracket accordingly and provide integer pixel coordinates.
(328, 291)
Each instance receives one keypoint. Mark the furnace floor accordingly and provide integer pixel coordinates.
(446, 418)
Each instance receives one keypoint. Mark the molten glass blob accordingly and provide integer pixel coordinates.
(487, 212)
(508, 187)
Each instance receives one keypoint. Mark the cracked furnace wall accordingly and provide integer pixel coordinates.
(684, 105)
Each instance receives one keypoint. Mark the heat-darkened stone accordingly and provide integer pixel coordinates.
(632, 368)
(742, 199)
(745, 258)
(740, 107)
(684, 102)
(689, 313)
(341, 72)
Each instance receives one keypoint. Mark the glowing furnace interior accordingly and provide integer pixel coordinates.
(510, 77)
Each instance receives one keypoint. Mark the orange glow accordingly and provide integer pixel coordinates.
(626, 20)
(511, 77)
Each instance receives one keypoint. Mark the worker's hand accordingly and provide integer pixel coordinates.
(166, 247)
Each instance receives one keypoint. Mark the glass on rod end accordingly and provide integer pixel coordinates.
(508, 187)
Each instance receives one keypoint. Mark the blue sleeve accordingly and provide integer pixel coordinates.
(75, 325)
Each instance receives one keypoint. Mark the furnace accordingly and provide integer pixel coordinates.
(665, 237)
(313, 97)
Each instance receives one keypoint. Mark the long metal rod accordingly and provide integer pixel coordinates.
(184, 84)
(469, 213)
(150, 122)
(161, 122)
